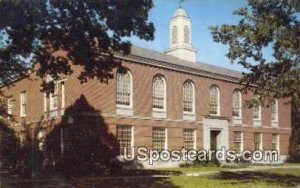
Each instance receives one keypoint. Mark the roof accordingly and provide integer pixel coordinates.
(169, 61)
(180, 12)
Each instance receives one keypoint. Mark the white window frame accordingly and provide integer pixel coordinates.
(62, 107)
(259, 111)
(260, 140)
(241, 142)
(53, 96)
(218, 100)
(131, 92)
(194, 137)
(193, 97)
(23, 104)
(10, 105)
(131, 141)
(45, 103)
(166, 137)
(277, 142)
(164, 109)
(240, 104)
(276, 112)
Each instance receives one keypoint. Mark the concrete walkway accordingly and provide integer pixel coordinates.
(251, 168)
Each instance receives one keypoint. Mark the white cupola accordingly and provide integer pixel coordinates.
(181, 36)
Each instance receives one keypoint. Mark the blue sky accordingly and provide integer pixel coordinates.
(204, 13)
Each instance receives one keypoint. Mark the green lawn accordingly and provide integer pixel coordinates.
(201, 168)
(194, 169)
(266, 178)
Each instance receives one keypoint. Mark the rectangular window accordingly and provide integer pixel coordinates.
(237, 136)
(274, 110)
(158, 138)
(62, 99)
(275, 139)
(54, 101)
(124, 136)
(23, 103)
(45, 103)
(10, 106)
(189, 140)
(258, 141)
(256, 112)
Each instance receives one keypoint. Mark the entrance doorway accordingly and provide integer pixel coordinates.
(214, 139)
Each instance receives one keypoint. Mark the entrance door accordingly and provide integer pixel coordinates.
(213, 139)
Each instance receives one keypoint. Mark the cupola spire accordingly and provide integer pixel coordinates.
(181, 35)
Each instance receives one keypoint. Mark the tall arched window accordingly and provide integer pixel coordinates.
(188, 96)
(257, 110)
(214, 101)
(275, 110)
(236, 104)
(159, 93)
(124, 90)
(186, 35)
(174, 34)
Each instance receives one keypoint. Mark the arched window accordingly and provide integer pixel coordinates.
(188, 96)
(236, 104)
(257, 110)
(159, 93)
(275, 110)
(214, 101)
(124, 90)
(186, 32)
(174, 34)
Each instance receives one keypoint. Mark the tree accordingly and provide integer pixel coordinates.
(265, 24)
(88, 32)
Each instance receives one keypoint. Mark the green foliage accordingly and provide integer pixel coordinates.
(265, 24)
(89, 32)
(10, 145)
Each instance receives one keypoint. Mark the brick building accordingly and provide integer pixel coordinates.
(162, 101)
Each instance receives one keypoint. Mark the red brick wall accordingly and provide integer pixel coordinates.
(102, 97)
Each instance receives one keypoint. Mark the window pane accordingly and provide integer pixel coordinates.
(189, 139)
(158, 138)
(188, 97)
(123, 89)
(275, 141)
(158, 98)
(10, 106)
(257, 141)
(23, 103)
(274, 110)
(214, 100)
(237, 142)
(124, 136)
(236, 104)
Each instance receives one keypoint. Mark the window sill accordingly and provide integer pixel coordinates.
(189, 116)
(123, 106)
(257, 122)
(237, 120)
(274, 123)
(188, 113)
(159, 114)
(124, 111)
(158, 110)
